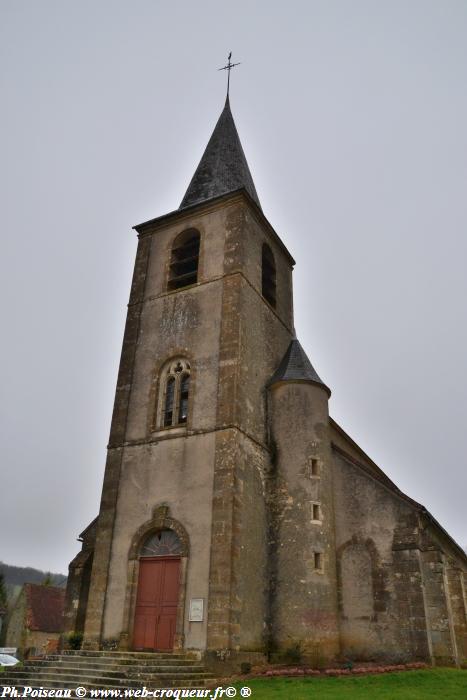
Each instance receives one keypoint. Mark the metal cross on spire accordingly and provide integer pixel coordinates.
(228, 68)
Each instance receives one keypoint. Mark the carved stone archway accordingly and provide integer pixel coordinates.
(159, 521)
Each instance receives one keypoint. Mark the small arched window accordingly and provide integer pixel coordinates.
(161, 544)
(184, 260)
(268, 275)
(175, 384)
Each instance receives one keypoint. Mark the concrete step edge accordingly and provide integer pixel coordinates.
(126, 654)
(20, 673)
(114, 671)
(114, 663)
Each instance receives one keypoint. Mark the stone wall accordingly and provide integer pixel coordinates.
(77, 592)
(253, 340)
(419, 610)
(443, 569)
(40, 643)
(78, 582)
(367, 518)
(303, 614)
(455, 578)
(173, 472)
(107, 511)
(410, 599)
(15, 635)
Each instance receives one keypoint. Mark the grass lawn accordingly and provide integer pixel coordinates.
(442, 684)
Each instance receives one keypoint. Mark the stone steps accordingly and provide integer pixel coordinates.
(95, 682)
(110, 670)
(57, 684)
(126, 654)
(45, 676)
(85, 663)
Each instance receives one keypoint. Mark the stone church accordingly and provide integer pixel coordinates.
(238, 520)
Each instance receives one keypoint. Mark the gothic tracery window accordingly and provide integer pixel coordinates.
(268, 275)
(184, 260)
(175, 383)
(161, 544)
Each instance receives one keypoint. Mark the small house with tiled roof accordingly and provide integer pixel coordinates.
(35, 622)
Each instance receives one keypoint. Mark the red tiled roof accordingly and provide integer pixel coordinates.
(45, 604)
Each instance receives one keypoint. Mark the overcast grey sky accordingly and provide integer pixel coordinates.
(353, 118)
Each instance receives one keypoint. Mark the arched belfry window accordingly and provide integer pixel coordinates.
(164, 543)
(184, 260)
(268, 275)
(175, 385)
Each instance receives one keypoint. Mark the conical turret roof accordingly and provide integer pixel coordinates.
(295, 366)
(223, 167)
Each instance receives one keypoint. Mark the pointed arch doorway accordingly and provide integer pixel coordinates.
(158, 592)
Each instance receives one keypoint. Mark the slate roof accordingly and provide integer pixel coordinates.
(295, 366)
(89, 532)
(223, 167)
(44, 607)
(367, 465)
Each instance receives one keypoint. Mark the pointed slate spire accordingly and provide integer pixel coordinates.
(295, 366)
(223, 167)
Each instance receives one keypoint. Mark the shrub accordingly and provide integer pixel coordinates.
(293, 654)
(75, 639)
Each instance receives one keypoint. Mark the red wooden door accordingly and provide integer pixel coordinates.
(156, 604)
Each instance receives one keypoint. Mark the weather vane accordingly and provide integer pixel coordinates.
(228, 68)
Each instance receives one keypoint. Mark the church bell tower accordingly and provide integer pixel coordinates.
(180, 555)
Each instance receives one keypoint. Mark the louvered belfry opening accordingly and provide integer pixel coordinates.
(184, 260)
(268, 275)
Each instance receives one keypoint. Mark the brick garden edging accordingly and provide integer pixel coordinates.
(358, 670)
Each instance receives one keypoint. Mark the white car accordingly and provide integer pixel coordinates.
(7, 660)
